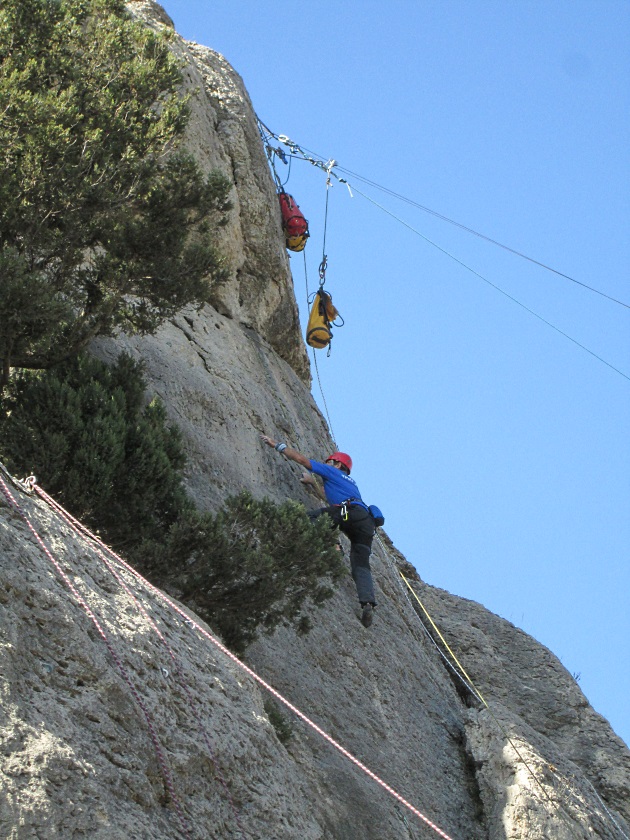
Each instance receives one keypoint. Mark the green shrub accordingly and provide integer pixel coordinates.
(94, 444)
(88, 434)
(254, 564)
(283, 728)
(105, 222)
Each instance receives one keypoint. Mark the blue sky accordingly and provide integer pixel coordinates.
(497, 448)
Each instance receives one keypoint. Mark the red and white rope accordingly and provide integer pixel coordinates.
(84, 532)
(191, 622)
(119, 665)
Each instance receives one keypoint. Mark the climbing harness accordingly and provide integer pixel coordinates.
(373, 510)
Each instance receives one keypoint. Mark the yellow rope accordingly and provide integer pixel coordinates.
(443, 640)
(498, 723)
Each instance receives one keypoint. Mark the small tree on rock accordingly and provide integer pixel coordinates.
(103, 223)
(99, 446)
(253, 565)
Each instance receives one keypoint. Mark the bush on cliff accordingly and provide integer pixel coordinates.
(94, 443)
(104, 223)
(252, 565)
(110, 457)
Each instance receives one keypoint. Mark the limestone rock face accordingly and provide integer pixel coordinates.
(223, 135)
(116, 721)
(122, 718)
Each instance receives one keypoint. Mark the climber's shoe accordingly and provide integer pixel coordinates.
(367, 615)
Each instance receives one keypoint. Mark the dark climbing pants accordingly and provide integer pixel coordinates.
(359, 528)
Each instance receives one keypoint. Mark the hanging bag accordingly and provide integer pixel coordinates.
(323, 313)
(294, 224)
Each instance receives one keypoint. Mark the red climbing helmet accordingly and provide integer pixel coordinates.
(346, 460)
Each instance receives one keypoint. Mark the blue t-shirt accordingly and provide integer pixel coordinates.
(337, 485)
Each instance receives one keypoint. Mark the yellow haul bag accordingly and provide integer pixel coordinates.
(296, 243)
(323, 313)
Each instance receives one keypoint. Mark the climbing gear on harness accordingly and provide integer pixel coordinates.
(367, 615)
(345, 459)
(294, 224)
(323, 314)
(374, 511)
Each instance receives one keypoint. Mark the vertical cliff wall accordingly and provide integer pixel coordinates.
(145, 729)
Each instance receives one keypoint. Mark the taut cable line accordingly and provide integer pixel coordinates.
(355, 175)
(483, 236)
(301, 153)
(493, 285)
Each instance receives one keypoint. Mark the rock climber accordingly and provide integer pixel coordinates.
(346, 509)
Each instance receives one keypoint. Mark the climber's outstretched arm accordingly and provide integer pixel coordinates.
(292, 454)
